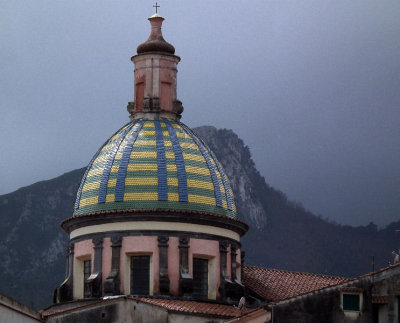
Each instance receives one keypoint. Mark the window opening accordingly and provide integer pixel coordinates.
(351, 302)
(140, 275)
(87, 270)
(375, 313)
(200, 277)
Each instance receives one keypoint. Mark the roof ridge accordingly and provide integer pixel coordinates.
(297, 272)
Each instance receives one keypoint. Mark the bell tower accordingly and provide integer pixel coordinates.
(155, 73)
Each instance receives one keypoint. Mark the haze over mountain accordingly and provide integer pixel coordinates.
(282, 233)
(311, 86)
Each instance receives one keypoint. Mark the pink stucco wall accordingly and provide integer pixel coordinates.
(205, 249)
(140, 246)
(107, 258)
(166, 82)
(137, 245)
(84, 249)
(173, 265)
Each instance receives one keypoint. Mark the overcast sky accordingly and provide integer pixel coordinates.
(312, 87)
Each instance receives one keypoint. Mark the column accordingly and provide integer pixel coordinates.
(185, 280)
(94, 280)
(112, 283)
(223, 250)
(163, 264)
(64, 292)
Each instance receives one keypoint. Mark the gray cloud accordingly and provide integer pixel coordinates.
(312, 87)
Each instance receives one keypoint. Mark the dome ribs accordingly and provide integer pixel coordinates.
(210, 165)
(109, 163)
(228, 193)
(120, 185)
(142, 155)
(180, 163)
(161, 163)
(79, 193)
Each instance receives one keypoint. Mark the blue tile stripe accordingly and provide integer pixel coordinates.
(110, 160)
(210, 165)
(180, 163)
(79, 193)
(229, 198)
(161, 163)
(120, 185)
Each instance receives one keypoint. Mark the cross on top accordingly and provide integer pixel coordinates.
(156, 6)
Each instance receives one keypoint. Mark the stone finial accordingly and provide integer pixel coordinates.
(156, 41)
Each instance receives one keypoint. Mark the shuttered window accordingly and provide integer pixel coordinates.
(140, 275)
(200, 278)
(351, 302)
(87, 270)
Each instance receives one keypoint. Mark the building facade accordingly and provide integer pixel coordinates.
(154, 213)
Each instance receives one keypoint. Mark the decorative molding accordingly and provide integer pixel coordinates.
(163, 241)
(184, 241)
(97, 242)
(116, 240)
(77, 222)
(180, 234)
(223, 246)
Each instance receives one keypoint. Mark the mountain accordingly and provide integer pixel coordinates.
(282, 233)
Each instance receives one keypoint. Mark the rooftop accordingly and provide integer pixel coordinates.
(170, 305)
(276, 285)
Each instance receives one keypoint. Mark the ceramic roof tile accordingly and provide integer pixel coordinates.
(380, 300)
(277, 285)
(155, 164)
(171, 305)
(195, 307)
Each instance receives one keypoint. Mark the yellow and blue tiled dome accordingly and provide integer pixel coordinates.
(155, 164)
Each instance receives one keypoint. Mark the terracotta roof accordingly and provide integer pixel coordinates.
(352, 289)
(171, 305)
(380, 300)
(71, 306)
(277, 285)
(196, 307)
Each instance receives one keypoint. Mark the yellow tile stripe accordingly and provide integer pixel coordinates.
(143, 154)
(174, 197)
(88, 201)
(94, 172)
(139, 167)
(169, 155)
(198, 170)
(200, 184)
(137, 181)
(172, 181)
(110, 198)
(145, 143)
(144, 133)
(201, 199)
(112, 182)
(193, 157)
(189, 145)
(90, 186)
(183, 135)
(153, 167)
(150, 196)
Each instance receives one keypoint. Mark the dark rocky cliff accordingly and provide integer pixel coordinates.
(283, 234)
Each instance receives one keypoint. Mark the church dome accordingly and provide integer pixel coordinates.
(155, 164)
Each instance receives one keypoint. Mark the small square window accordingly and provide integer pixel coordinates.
(351, 302)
